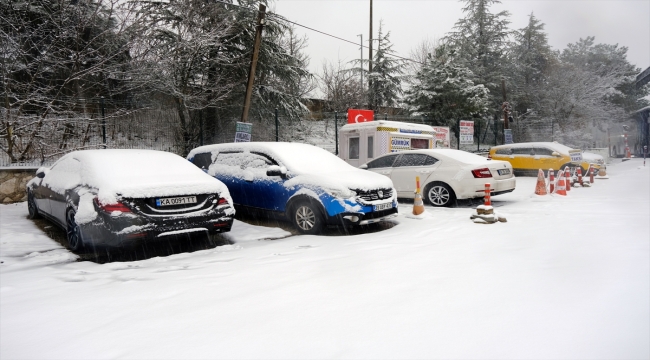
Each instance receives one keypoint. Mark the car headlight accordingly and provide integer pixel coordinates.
(341, 193)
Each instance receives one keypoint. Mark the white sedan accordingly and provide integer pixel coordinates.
(445, 174)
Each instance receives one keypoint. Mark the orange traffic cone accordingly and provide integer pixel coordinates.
(567, 178)
(579, 170)
(540, 188)
(551, 181)
(418, 205)
(561, 185)
(591, 174)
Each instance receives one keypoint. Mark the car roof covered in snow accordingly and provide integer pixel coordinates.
(553, 145)
(141, 173)
(458, 155)
(311, 164)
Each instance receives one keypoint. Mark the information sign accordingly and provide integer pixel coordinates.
(508, 135)
(243, 132)
(466, 132)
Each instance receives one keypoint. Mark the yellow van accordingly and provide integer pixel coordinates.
(528, 158)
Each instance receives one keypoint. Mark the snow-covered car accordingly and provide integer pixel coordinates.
(445, 174)
(527, 158)
(116, 198)
(305, 184)
(592, 158)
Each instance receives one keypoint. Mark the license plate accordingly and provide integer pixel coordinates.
(176, 201)
(380, 207)
(504, 171)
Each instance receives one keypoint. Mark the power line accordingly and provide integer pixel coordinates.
(280, 17)
(336, 37)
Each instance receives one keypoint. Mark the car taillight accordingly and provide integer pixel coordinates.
(482, 173)
(109, 208)
(222, 201)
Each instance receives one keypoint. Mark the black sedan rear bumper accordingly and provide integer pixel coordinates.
(130, 229)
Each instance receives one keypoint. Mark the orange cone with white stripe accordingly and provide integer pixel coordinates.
(561, 185)
(579, 170)
(551, 181)
(540, 188)
(591, 174)
(567, 178)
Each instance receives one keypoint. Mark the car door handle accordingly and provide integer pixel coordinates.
(424, 171)
(384, 172)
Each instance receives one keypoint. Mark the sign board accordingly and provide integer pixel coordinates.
(243, 132)
(466, 132)
(359, 116)
(400, 144)
(576, 156)
(441, 137)
(508, 135)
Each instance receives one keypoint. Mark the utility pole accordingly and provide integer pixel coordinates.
(505, 108)
(256, 53)
(361, 61)
(370, 94)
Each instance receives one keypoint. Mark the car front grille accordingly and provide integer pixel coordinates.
(148, 206)
(373, 195)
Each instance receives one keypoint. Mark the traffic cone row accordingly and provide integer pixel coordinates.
(562, 185)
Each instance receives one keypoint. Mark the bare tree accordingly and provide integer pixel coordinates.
(55, 56)
(340, 87)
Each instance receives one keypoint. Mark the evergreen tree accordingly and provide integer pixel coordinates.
(385, 80)
(480, 39)
(532, 61)
(444, 90)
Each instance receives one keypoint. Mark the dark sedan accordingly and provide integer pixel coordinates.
(117, 198)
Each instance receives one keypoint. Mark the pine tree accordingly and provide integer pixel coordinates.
(532, 60)
(480, 39)
(385, 80)
(444, 90)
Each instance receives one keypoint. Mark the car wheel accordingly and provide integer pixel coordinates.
(73, 233)
(439, 194)
(307, 217)
(31, 207)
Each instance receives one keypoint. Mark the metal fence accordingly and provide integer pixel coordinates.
(160, 128)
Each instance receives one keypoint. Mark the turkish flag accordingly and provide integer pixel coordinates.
(359, 116)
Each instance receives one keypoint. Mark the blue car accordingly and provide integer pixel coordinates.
(309, 186)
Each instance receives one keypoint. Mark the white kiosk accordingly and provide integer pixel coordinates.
(362, 142)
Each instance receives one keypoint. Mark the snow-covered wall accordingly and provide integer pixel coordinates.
(13, 182)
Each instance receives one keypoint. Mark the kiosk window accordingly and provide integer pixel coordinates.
(419, 143)
(353, 148)
(371, 147)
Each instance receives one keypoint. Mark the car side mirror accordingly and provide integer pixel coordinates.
(364, 167)
(555, 153)
(275, 170)
(41, 172)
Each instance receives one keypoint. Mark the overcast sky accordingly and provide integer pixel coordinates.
(623, 22)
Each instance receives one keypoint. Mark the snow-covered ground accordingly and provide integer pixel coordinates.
(563, 278)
